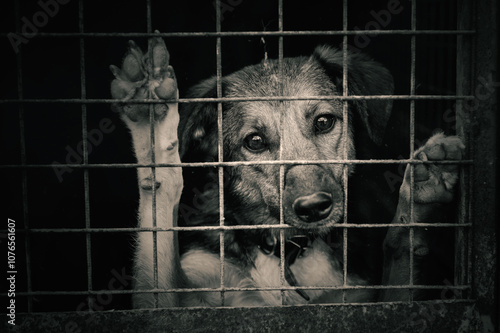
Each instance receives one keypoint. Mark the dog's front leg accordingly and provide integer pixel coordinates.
(434, 187)
(149, 76)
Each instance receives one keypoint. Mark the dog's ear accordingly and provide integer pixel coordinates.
(365, 77)
(198, 125)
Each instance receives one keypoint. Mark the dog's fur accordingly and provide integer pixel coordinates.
(281, 130)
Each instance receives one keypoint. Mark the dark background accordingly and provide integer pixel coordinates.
(51, 69)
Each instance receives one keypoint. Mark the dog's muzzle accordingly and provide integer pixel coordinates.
(312, 197)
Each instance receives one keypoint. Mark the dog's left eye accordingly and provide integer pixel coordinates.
(255, 143)
(324, 123)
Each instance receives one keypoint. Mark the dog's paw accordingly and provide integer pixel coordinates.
(144, 76)
(435, 182)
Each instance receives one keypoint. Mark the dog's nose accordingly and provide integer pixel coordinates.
(313, 207)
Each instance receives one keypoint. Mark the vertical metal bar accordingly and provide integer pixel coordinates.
(412, 137)
(153, 158)
(345, 134)
(282, 167)
(464, 79)
(466, 48)
(220, 146)
(22, 136)
(282, 222)
(83, 92)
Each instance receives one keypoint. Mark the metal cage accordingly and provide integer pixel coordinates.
(472, 305)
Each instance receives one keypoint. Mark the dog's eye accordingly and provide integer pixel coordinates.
(255, 143)
(324, 123)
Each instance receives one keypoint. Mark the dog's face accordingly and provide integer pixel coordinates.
(303, 130)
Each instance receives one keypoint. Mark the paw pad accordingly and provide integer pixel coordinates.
(144, 76)
(434, 183)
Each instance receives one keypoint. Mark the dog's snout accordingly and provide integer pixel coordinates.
(313, 207)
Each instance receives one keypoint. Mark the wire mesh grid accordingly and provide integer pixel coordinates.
(345, 98)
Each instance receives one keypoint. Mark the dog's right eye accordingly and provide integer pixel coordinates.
(324, 123)
(255, 143)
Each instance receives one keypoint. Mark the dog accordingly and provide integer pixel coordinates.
(311, 204)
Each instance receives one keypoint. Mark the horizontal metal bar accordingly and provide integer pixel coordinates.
(235, 289)
(242, 33)
(241, 227)
(230, 164)
(234, 99)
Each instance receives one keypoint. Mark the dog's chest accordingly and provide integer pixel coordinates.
(316, 267)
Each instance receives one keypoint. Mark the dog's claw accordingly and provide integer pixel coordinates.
(144, 76)
(434, 183)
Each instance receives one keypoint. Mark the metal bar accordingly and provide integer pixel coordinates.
(233, 164)
(234, 289)
(244, 227)
(220, 143)
(244, 33)
(153, 169)
(282, 230)
(22, 143)
(282, 138)
(467, 51)
(236, 99)
(412, 136)
(153, 156)
(83, 92)
(282, 234)
(464, 79)
(345, 134)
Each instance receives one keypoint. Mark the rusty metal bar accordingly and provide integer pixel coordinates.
(235, 99)
(245, 227)
(345, 134)
(282, 167)
(245, 33)
(149, 27)
(83, 92)
(412, 137)
(282, 224)
(235, 289)
(234, 164)
(464, 79)
(220, 143)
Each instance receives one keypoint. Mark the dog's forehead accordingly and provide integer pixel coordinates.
(268, 113)
(299, 77)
